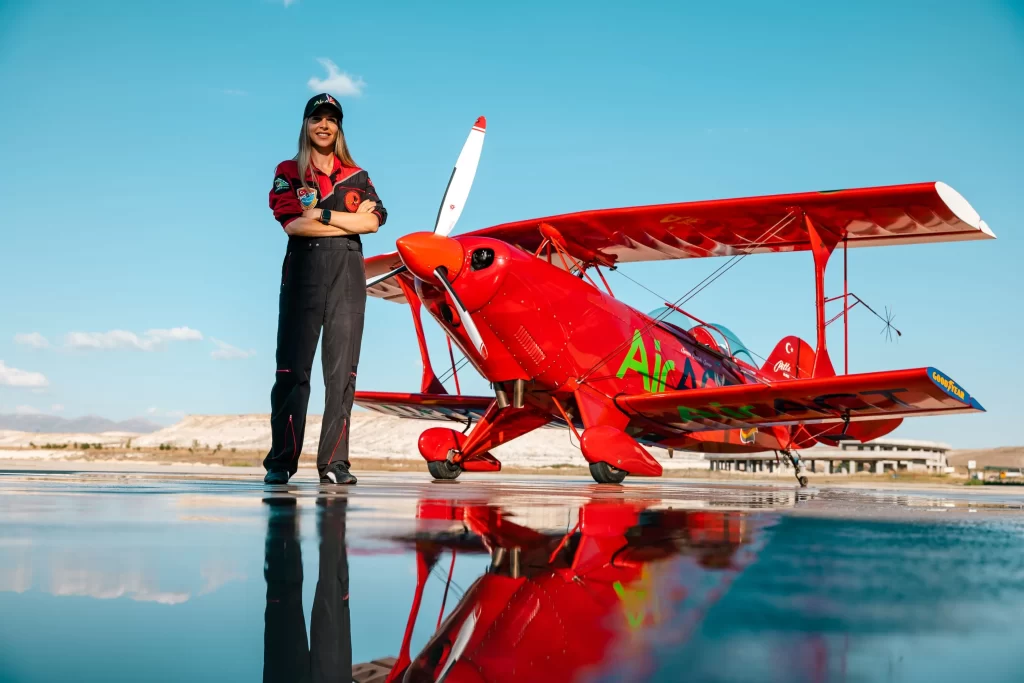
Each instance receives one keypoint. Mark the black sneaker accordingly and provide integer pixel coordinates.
(338, 474)
(276, 477)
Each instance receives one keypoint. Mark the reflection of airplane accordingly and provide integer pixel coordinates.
(563, 606)
(286, 655)
(519, 302)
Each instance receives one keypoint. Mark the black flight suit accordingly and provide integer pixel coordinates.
(323, 285)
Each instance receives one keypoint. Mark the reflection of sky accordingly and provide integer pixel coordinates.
(136, 588)
(144, 587)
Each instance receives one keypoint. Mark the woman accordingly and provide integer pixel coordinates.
(324, 202)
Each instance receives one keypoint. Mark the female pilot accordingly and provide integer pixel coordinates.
(324, 202)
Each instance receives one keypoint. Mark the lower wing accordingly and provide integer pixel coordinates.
(424, 406)
(869, 396)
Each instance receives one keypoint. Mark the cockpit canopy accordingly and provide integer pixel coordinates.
(716, 336)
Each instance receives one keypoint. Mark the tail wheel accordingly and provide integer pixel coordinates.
(603, 473)
(443, 469)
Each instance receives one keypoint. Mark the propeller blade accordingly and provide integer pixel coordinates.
(461, 180)
(461, 641)
(381, 278)
(464, 316)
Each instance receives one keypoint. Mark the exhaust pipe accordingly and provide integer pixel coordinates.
(500, 395)
(518, 389)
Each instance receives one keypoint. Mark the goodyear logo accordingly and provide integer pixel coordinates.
(951, 387)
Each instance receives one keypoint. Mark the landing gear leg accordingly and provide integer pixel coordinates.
(798, 467)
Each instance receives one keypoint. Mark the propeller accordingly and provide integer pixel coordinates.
(467, 320)
(457, 192)
(459, 646)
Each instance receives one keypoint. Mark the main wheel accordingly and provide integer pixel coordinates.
(443, 469)
(603, 473)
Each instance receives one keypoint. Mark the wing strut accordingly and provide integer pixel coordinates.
(823, 243)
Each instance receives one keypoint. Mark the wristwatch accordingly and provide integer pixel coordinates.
(325, 216)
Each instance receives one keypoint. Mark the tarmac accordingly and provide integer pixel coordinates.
(130, 566)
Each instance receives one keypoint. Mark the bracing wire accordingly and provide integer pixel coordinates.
(699, 287)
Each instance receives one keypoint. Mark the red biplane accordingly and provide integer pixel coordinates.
(559, 349)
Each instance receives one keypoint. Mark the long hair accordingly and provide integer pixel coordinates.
(306, 147)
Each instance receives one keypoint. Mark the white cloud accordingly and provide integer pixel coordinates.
(337, 83)
(234, 92)
(13, 377)
(122, 339)
(27, 410)
(175, 334)
(57, 408)
(33, 339)
(226, 351)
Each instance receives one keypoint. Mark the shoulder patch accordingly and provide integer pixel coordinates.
(281, 184)
(307, 197)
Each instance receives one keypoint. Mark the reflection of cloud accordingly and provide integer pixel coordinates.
(217, 574)
(69, 576)
(108, 586)
(17, 577)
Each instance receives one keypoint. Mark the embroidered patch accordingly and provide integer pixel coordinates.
(307, 197)
(281, 184)
(352, 200)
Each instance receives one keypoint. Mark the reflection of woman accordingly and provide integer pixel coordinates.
(324, 202)
(286, 656)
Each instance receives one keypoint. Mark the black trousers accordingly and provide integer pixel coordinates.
(323, 286)
(286, 656)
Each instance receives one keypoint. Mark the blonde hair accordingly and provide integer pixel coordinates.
(306, 147)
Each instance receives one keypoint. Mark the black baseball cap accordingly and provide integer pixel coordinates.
(322, 100)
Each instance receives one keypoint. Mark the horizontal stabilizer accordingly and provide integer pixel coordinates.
(424, 406)
(822, 400)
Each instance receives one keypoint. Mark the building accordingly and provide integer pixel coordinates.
(849, 457)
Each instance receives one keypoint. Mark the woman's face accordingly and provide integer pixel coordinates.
(323, 129)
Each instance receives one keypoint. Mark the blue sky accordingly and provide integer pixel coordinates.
(139, 143)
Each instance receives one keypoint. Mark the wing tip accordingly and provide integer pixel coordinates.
(481, 123)
(944, 382)
(962, 208)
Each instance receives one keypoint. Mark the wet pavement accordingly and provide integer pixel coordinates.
(118, 576)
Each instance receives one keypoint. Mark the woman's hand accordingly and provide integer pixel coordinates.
(367, 206)
(313, 214)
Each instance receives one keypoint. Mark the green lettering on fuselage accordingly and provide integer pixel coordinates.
(637, 361)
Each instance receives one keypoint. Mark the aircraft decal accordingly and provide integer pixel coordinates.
(826, 404)
(636, 360)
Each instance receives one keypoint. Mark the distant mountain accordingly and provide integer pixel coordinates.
(90, 424)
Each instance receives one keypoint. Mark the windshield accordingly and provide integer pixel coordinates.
(724, 337)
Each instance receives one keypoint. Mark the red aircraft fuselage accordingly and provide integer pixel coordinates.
(548, 327)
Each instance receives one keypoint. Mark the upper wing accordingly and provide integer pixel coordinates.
(869, 396)
(897, 214)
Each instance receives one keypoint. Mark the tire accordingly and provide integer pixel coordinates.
(603, 473)
(442, 469)
(802, 481)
